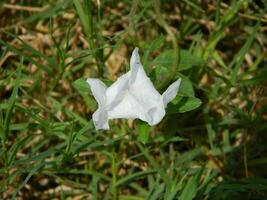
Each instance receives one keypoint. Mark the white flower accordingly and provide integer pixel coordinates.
(131, 96)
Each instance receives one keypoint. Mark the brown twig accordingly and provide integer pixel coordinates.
(24, 8)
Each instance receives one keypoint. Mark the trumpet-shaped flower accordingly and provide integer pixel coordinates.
(131, 96)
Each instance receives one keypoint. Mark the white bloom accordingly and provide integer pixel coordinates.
(131, 96)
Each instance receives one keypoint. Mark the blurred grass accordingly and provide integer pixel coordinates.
(49, 147)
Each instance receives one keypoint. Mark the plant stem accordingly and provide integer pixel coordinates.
(114, 177)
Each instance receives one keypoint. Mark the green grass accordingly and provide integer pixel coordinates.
(211, 143)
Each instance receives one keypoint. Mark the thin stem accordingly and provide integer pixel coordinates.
(245, 155)
(114, 177)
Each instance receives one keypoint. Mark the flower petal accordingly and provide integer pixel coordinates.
(115, 93)
(122, 103)
(100, 119)
(98, 89)
(135, 58)
(149, 99)
(171, 92)
(126, 108)
(137, 73)
(100, 116)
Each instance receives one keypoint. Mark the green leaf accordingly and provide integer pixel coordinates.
(186, 88)
(39, 157)
(35, 169)
(194, 5)
(18, 126)
(240, 56)
(150, 47)
(156, 191)
(133, 176)
(34, 53)
(81, 85)
(190, 189)
(83, 15)
(258, 78)
(11, 105)
(183, 104)
(29, 58)
(155, 44)
(18, 145)
(187, 60)
(143, 132)
(49, 12)
(84, 89)
(164, 60)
